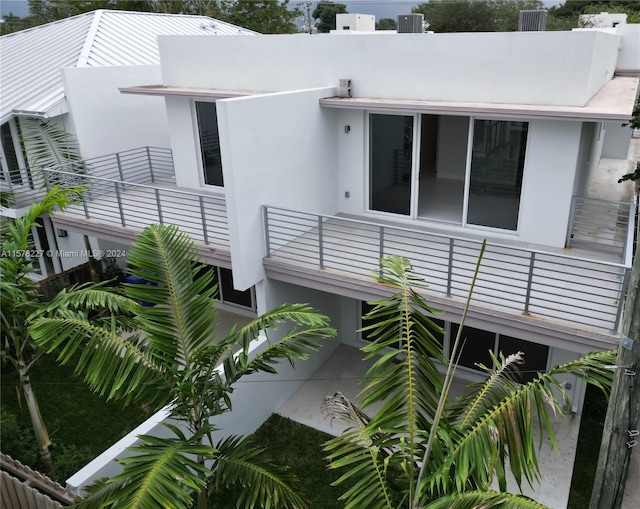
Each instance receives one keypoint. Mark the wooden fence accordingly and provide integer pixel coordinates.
(76, 275)
(23, 488)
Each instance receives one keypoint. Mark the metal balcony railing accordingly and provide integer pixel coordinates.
(569, 290)
(143, 165)
(133, 205)
(601, 225)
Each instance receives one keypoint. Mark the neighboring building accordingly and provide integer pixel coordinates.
(67, 73)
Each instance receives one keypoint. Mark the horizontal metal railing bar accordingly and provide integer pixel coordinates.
(537, 282)
(455, 238)
(134, 184)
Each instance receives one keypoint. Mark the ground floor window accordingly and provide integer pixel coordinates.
(227, 294)
(477, 345)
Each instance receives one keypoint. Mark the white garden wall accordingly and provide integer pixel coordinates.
(254, 399)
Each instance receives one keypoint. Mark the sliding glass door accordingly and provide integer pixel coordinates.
(495, 179)
(452, 169)
(209, 143)
(390, 163)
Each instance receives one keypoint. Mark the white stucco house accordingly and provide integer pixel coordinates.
(297, 162)
(68, 73)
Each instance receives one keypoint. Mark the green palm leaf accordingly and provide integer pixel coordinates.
(115, 366)
(161, 473)
(47, 144)
(485, 500)
(264, 485)
(505, 431)
(183, 316)
(168, 352)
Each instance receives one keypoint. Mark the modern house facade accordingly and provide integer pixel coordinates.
(423, 145)
(432, 143)
(297, 162)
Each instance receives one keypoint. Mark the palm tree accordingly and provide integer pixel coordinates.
(166, 353)
(19, 298)
(423, 450)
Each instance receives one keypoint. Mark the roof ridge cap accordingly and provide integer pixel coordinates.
(83, 57)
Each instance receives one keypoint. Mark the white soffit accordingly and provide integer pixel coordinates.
(31, 60)
(613, 102)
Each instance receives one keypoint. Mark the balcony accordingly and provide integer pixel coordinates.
(576, 289)
(131, 190)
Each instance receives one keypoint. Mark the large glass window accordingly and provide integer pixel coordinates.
(497, 165)
(9, 152)
(209, 143)
(390, 163)
(478, 343)
(226, 292)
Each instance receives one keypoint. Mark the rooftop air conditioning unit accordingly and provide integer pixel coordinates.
(410, 23)
(532, 21)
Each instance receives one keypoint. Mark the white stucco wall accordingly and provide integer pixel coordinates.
(558, 68)
(550, 166)
(107, 121)
(351, 161)
(277, 149)
(616, 140)
(629, 59)
(185, 142)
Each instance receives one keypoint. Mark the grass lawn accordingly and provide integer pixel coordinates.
(589, 438)
(299, 447)
(80, 423)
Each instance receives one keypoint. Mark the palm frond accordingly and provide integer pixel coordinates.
(161, 473)
(264, 485)
(7, 199)
(113, 365)
(90, 297)
(369, 465)
(47, 144)
(182, 318)
(500, 384)
(297, 343)
(506, 431)
(485, 500)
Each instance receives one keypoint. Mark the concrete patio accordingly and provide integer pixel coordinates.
(343, 372)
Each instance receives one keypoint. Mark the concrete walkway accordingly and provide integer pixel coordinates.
(343, 372)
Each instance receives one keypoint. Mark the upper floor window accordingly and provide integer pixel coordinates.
(13, 154)
(209, 143)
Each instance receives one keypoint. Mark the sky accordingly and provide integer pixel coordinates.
(379, 8)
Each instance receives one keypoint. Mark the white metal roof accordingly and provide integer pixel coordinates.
(30, 60)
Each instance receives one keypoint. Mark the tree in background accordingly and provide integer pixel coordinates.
(387, 24)
(425, 449)
(19, 298)
(326, 13)
(166, 353)
(474, 15)
(572, 9)
(46, 11)
(263, 16)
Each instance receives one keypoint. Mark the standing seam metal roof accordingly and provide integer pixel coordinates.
(31, 60)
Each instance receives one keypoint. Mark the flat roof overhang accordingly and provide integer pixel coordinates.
(185, 92)
(614, 102)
